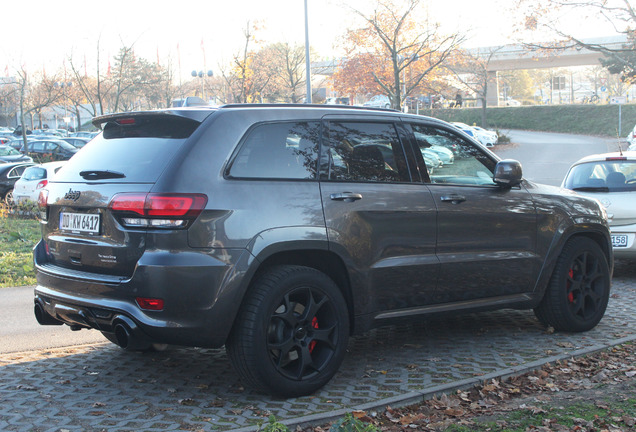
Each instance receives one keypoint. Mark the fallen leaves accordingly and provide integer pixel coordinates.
(569, 377)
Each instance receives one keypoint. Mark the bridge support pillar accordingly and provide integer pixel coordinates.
(492, 94)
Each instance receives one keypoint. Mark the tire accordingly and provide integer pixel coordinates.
(387, 106)
(577, 294)
(291, 333)
(8, 198)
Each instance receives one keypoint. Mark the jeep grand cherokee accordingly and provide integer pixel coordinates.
(279, 231)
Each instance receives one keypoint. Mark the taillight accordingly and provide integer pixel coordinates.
(43, 199)
(42, 184)
(157, 210)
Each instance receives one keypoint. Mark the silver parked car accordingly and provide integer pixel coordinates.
(378, 101)
(610, 178)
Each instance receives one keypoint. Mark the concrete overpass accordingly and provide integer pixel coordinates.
(519, 57)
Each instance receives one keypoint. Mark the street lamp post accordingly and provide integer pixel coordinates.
(307, 59)
(202, 75)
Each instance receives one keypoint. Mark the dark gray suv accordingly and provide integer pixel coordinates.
(279, 231)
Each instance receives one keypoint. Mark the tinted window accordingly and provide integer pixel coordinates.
(279, 151)
(16, 172)
(140, 147)
(471, 165)
(36, 146)
(59, 145)
(139, 159)
(365, 152)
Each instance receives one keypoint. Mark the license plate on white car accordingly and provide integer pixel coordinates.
(619, 240)
(80, 222)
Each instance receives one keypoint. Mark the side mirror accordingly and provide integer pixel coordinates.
(508, 173)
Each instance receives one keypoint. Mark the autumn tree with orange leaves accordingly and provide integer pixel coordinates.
(395, 52)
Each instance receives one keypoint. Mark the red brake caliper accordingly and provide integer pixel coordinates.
(314, 324)
(570, 294)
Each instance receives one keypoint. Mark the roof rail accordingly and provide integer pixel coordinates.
(298, 105)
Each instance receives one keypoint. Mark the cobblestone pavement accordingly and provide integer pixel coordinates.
(103, 388)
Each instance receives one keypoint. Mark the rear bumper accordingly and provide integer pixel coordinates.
(199, 289)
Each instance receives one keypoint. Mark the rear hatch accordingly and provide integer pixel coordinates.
(99, 205)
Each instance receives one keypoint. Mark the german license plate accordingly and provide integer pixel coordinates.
(80, 222)
(619, 240)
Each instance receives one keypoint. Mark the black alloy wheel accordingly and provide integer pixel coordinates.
(578, 292)
(291, 333)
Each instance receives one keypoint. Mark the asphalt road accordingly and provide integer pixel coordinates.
(19, 331)
(545, 158)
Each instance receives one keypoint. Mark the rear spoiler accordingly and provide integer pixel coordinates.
(197, 114)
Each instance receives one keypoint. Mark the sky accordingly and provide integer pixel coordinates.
(203, 34)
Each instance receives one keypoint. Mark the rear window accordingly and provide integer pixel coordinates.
(138, 147)
(34, 173)
(603, 176)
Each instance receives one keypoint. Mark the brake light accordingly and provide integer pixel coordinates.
(150, 303)
(43, 199)
(615, 158)
(42, 184)
(126, 121)
(157, 210)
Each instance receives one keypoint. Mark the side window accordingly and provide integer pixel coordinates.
(368, 152)
(16, 172)
(36, 146)
(468, 165)
(52, 147)
(279, 151)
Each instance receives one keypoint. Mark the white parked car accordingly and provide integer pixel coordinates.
(378, 101)
(511, 102)
(445, 154)
(485, 139)
(488, 134)
(610, 178)
(432, 160)
(33, 180)
(631, 139)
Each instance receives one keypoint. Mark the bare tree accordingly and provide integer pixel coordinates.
(292, 69)
(36, 93)
(393, 42)
(9, 98)
(95, 89)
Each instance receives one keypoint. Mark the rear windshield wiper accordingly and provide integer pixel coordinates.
(101, 174)
(591, 189)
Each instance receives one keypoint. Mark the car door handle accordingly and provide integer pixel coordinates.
(454, 199)
(346, 196)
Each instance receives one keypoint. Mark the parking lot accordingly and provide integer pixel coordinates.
(101, 387)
